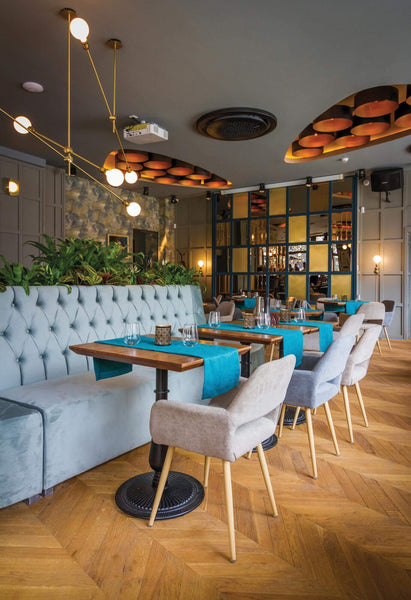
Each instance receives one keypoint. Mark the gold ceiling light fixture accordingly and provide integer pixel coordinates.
(375, 102)
(336, 118)
(79, 29)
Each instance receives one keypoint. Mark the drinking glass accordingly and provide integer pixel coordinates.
(263, 320)
(300, 315)
(190, 334)
(214, 319)
(132, 334)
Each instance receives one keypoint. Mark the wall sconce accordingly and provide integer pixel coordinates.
(11, 187)
(200, 264)
(377, 261)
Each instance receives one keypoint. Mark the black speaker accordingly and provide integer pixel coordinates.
(386, 180)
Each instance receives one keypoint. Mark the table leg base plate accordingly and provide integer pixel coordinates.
(268, 443)
(182, 494)
(289, 416)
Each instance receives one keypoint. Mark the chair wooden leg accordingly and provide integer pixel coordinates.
(249, 454)
(387, 337)
(281, 421)
(161, 484)
(379, 346)
(311, 441)
(348, 413)
(230, 510)
(207, 461)
(297, 412)
(314, 412)
(267, 480)
(331, 426)
(361, 402)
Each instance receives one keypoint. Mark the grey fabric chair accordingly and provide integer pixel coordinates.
(226, 310)
(388, 317)
(225, 433)
(356, 369)
(217, 300)
(351, 326)
(328, 315)
(374, 313)
(314, 383)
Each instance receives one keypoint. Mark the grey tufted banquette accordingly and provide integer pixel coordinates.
(48, 394)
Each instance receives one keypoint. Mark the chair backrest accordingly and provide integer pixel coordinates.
(226, 310)
(263, 391)
(372, 311)
(359, 359)
(389, 311)
(351, 326)
(217, 299)
(291, 302)
(333, 361)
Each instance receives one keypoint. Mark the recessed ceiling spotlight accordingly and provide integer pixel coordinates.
(32, 86)
(344, 159)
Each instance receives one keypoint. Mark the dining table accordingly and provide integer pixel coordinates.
(183, 493)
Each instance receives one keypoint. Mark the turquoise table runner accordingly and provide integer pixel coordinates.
(352, 306)
(333, 308)
(248, 303)
(277, 310)
(221, 364)
(325, 331)
(292, 338)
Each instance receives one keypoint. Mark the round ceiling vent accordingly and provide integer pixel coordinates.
(235, 124)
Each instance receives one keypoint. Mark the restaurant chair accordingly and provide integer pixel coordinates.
(217, 300)
(226, 310)
(388, 317)
(351, 326)
(291, 302)
(327, 315)
(374, 314)
(356, 369)
(222, 432)
(314, 383)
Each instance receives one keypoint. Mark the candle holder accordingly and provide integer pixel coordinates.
(162, 335)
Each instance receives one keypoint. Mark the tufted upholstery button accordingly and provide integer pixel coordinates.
(124, 320)
(17, 359)
(71, 326)
(91, 323)
(108, 321)
(13, 305)
(28, 331)
(1, 333)
(51, 328)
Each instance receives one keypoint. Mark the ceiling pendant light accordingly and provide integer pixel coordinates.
(312, 139)
(181, 168)
(133, 209)
(300, 152)
(336, 118)
(375, 102)
(114, 177)
(402, 116)
(79, 29)
(348, 140)
(371, 125)
(21, 124)
(131, 177)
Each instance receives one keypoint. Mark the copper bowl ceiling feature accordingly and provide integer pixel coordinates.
(300, 152)
(371, 125)
(336, 118)
(188, 182)
(310, 138)
(132, 156)
(152, 173)
(403, 115)
(216, 182)
(158, 161)
(236, 124)
(181, 168)
(348, 140)
(199, 174)
(375, 102)
(167, 179)
(120, 164)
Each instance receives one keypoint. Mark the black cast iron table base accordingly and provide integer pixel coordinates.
(289, 416)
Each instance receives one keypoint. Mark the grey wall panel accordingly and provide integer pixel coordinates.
(371, 225)
(9, 212)
(392, 257)
(391, 288)
(31, 217)
(392, 224)
(369, 287)
(10, 246)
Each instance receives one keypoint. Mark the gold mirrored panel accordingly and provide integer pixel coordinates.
(297, 229)
(278, 201)
(277, 258)
(319, 227)
(258, 232)
(258, 258)
(223, 234)
(341, 257)
(240, 264)
(297, 199)
(223, 260)
(240, 205)
(278, 229)
(341, 224)
(319, 196)
(240, 233)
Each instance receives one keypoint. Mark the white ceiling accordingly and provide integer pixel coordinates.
(184, 58)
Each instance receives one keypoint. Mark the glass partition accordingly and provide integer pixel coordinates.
(297, 200)
(258, 231)
(319, 227)
(278, 201)
(341, 257)
(278, 229)
(223, 234)
(240, 233)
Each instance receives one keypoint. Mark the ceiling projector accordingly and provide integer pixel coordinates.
(144, 133)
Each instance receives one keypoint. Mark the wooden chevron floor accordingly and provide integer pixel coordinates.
(343, 536)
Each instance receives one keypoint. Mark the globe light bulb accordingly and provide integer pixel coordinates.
(79, 29)
(13, 187)
(200, 264)
(377, 259)
(115, 177)
(131, 176)
(133, 209)
(19, 122)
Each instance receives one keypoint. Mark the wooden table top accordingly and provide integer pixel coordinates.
(147, 358)
(334, 302)
(251, 337)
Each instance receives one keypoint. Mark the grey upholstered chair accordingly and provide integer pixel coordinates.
(388, 317)
(314, 383)
(225, 433)
(356, 369)
(351, 326)
(328, 315)
(217, 300)
(374, 313)
(226, 310)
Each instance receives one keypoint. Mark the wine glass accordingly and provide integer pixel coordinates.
(132, 334)
(190, 334)
(263, 320)
(300, 315)
(214, 319)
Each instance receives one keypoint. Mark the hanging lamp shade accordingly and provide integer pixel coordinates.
(158, 161)
(167, 179)
(199, 174)
(133, 156)
(215, 182)
(188, 182)
(375, 102)
(336, 118)
(120, 164)
(313, 139)
(408, 94)
(348, 140)
(181, 168)
(371, 125)
(300, 152)
(152, 173)
(403, 115)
